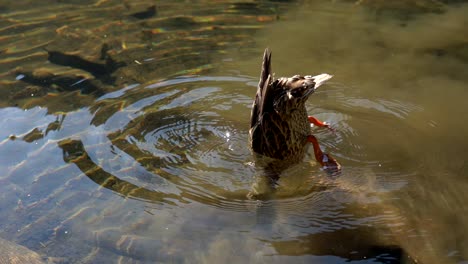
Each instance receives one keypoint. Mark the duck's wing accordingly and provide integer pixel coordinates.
(263, 96)
(263, 117)
(261, 139)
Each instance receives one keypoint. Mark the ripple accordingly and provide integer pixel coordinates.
(175, 131)
(367, 129)
(172, 142)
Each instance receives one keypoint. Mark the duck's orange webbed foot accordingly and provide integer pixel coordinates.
(319, 123)
(328, 163)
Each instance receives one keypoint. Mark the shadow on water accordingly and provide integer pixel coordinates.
(345, 244)
(73, 151)
(125, 127)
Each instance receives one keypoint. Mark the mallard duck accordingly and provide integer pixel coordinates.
(279, 124)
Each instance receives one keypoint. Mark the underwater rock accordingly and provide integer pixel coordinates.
(17, 254)
(51, 82)
(149, 12)
(98, 70)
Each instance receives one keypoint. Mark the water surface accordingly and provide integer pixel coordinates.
(124, 130)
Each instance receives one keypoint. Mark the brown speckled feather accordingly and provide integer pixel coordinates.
(279, 126)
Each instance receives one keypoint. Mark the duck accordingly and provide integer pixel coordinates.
(280, 127)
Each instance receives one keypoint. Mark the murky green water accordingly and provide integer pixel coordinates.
(124, 130)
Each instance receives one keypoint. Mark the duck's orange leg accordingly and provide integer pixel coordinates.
(319, 123)
(329, 163)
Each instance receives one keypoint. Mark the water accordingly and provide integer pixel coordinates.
(124, 132)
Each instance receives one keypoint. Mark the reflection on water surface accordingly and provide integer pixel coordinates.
(125, 127)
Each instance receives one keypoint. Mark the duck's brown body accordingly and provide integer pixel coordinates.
(280, 127)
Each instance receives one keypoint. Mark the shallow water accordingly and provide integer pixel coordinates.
(124, 132)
